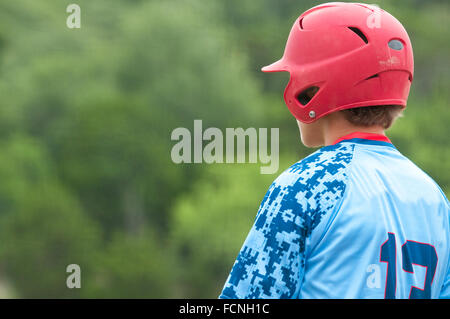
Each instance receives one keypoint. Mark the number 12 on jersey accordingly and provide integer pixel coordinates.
(412, 253)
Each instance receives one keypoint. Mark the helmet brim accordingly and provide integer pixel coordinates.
(278, 66)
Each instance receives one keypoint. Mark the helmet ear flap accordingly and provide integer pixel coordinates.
(305, 96)
(299, 102)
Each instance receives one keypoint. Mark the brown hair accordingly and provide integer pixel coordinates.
(382, 115)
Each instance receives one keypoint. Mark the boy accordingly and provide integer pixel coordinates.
(355, 219)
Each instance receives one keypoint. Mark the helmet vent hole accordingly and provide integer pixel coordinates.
(306, 95)
(301, 23)
(373, 77)
(359, 33)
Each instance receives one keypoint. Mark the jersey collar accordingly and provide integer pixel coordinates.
(366, 138)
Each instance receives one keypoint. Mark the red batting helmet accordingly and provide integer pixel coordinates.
(345, 55)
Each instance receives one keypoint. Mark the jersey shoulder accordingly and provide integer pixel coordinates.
(324, 170)
(314, 185)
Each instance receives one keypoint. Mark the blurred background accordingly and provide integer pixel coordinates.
(86, 117)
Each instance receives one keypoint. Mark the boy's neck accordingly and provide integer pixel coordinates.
(337, 127)
(333, 136)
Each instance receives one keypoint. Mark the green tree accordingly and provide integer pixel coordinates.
(210, 224)
(42, 227)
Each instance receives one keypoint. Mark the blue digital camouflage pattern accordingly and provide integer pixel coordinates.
(322, 228)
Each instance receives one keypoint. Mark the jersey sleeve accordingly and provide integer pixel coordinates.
(271, 262)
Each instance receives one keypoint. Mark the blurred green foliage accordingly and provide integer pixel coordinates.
(85, 122)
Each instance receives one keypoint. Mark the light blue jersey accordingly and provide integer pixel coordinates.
(355, 219)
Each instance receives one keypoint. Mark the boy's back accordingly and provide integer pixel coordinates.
(353, 220)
